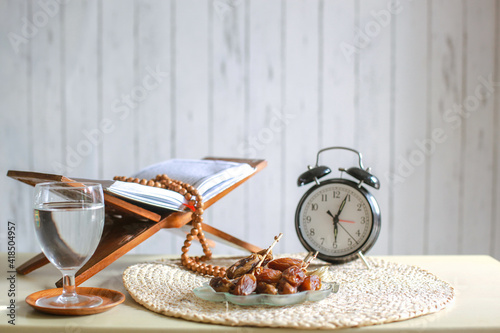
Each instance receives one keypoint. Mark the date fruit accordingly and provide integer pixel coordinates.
(243, 266)
(221, 284)
(283, 263)
(285, 288)
(267, 275)
(266, 288)
(312, 282)
(244, 286)
(294, 275)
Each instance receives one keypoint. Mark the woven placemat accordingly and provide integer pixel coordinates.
(386, 293)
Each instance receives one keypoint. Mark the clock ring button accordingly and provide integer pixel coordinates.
(364, 176)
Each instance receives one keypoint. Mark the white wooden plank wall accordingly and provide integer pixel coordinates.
(445, 162)
(477, 141)
(410, 103)
(103, 88)
(154, 114)
(16, 141)
(264, 95)
(373, 100)
(300, 103)
(495, 227)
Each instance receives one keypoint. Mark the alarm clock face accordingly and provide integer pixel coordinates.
(338, 219)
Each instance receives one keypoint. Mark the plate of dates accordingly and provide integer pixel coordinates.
(206, 292)
(261, 279)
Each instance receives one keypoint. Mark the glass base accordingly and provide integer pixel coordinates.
(76, 301)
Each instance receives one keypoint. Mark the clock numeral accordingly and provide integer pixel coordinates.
(308, 219)
(312, 232)
(335, 245)
(314, 206)
(358, 233)
(336, 194)
(349, 242)
(322, 240)
(363, 220)
(359, 207)
(324, 197)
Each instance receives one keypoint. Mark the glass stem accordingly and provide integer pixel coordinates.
(69, 287)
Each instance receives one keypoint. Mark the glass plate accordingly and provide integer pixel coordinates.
(207, 293)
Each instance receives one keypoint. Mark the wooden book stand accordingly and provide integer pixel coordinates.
(128, 225)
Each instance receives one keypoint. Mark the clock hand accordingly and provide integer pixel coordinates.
(336, 218)
(342, 205)
(329, 213)
(335, 225)
(348, 233)
(336, 221)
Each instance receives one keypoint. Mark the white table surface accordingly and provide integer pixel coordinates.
(476, 307)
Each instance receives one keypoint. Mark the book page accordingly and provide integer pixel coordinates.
(149, 195)
(193, 172)
(210, 177)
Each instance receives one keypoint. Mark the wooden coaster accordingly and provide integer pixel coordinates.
(110, 299)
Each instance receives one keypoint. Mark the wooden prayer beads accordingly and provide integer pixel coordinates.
(195, 203)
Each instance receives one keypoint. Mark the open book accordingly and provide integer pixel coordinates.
(209, 177)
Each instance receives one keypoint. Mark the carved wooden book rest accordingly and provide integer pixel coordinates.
(128, 225)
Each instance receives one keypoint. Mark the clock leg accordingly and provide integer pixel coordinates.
(362, 257)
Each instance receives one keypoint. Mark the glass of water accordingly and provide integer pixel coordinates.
(69, 219)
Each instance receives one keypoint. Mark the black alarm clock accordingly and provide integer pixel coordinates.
(338, 217)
